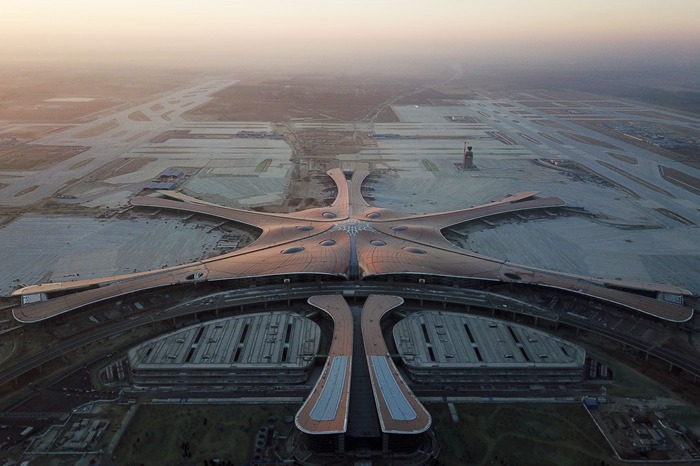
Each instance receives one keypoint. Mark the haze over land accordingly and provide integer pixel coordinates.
(314, 33)
(639, 49)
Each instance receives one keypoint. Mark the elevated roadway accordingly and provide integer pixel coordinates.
(263, 295)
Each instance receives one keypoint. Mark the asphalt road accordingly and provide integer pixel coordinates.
(261, 295)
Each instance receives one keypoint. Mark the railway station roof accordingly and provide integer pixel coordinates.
(282, 339)
(451, 340)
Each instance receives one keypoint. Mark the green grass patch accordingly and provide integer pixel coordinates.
(263, 166)
(227, 432)
(519, 434)
(628, 382)
(430, 165)
(687, 416)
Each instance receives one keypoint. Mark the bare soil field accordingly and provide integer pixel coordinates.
(636, 179)
(138, 116)
(26, 191)
(624, 158)
(566, 95)
(29, 133)
(36, 110)
(690, 158)
(130, 165)
(82, 163)
(136, 136)
(25, 92)
(387, 115)
(550, 123)
(97, 130)
(567, 114)
(658, 115)
(281, 99)
(607, 104)
(319, 143)
(439, 95)
(115, 168)
(538, 104)
(684, 180)
(33, 157)
(588, 140)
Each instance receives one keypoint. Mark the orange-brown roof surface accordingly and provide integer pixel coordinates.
(325, 411)
(399, 410)
(350, 234)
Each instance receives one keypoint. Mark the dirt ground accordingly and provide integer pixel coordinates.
(138, 116)
(340, 98)
(285, 100)
(681, 179)
(25, 91)
(588, 140)
(680, 155)
(32, 156)
(97, 130)
(23, 133)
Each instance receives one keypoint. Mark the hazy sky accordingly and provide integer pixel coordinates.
(238, 32)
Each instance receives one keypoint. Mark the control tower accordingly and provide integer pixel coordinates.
(468, 159)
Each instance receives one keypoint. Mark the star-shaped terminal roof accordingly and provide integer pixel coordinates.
(350, 239)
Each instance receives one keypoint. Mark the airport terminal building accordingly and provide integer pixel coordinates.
(478, 353)
(269, 348)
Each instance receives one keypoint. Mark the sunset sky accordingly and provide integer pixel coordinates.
(269, 31)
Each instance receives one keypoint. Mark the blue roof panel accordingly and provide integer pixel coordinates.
(326, 408)
(399, 407)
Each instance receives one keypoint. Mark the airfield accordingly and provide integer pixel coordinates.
(623, 168)
(635, 224)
